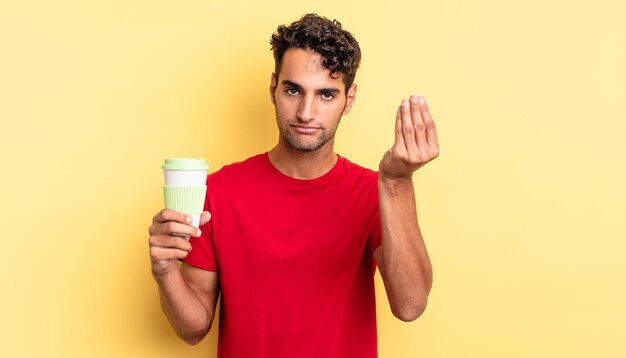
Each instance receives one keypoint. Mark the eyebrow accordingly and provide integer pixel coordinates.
(332, 90)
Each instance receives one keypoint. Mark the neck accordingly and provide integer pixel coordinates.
(302, 164)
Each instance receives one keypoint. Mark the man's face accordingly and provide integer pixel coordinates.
(309, 102)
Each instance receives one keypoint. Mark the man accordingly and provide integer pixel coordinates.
(294, 235)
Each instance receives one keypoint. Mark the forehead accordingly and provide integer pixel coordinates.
(306, 68)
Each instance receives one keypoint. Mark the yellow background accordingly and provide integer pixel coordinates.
(523, 212)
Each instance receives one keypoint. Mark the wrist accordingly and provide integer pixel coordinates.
(393, 181)
(395, 186)
(161, 270)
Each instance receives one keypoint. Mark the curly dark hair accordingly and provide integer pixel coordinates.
(339, 49)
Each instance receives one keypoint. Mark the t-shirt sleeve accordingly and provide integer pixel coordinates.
(202, 254)
(374, 233)
(374, 237)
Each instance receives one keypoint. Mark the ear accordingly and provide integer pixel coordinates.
(350, 98)
(273, 84)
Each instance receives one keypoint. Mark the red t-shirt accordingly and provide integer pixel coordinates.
(294, 258)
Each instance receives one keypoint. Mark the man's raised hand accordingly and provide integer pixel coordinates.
(415, 141)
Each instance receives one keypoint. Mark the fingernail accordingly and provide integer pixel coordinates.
(414, 99)
(189, 219)
(422, 100)
(199, 233)
(405, 103)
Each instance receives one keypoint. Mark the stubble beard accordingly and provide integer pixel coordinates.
(301, 144)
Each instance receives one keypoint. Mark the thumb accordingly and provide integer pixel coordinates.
(205, 217)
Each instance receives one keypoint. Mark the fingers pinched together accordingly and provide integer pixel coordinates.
(416, 140)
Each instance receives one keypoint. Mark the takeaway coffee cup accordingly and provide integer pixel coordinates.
(185, 186)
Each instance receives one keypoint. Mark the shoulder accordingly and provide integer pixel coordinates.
(239, 170)
(361, 183)
(359, 172)
(357, 178)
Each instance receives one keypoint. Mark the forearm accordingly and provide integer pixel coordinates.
(407, 269)
(183, 308)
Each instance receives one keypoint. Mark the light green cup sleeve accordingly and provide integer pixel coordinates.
(186, 199)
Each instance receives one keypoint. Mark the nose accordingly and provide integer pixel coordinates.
(306, 109)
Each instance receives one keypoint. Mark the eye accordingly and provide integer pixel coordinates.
(292, 91)
(327, 96)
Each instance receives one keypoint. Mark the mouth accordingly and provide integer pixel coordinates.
(305, 129)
